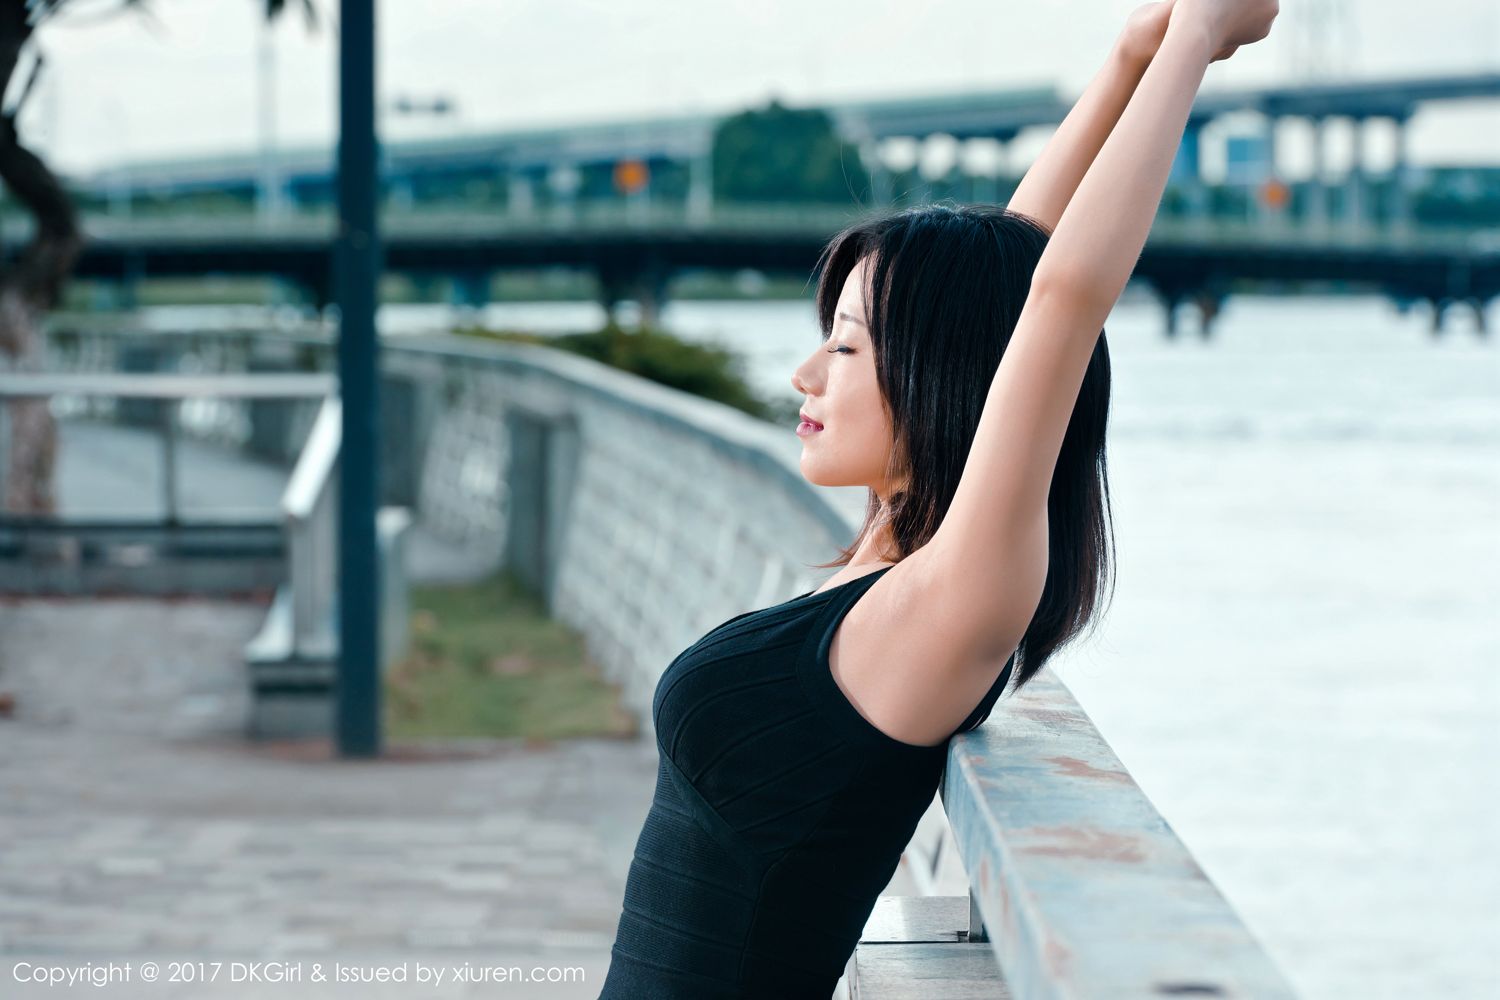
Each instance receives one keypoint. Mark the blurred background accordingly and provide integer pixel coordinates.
(598, 224)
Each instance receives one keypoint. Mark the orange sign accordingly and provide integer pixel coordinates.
(631, 176)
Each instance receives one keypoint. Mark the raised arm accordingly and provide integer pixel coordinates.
(991, 549)
(1052, 178)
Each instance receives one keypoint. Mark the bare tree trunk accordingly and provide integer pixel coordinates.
(32, 454)
(32, 284)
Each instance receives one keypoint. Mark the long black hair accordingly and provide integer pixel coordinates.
(945, 286)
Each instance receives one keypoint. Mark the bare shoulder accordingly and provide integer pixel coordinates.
(908, 657)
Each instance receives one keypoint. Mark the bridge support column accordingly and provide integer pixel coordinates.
(645, 285)
(1209, 302)
(1170, 299)
(1476, 303)
(650, 293)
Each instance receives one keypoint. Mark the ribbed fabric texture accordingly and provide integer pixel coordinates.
(780, 813)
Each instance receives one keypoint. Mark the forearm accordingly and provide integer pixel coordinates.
(1099, 237)
(1049, 184)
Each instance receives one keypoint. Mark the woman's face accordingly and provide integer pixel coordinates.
(841, 393)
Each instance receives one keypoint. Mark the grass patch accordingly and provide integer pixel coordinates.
(486, 661)
(702, 369)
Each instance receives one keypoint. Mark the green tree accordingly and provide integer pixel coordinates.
(780, 154)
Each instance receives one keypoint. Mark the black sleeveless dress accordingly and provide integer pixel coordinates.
(780, 814)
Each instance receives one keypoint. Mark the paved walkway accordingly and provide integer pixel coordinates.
(139, 823)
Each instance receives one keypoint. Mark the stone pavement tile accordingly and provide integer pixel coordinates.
(119, 840)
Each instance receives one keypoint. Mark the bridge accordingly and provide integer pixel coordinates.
(530, 164)
(634, 250)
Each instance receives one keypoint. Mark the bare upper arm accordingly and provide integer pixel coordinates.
(906, 657)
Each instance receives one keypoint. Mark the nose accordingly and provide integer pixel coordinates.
(799, 379)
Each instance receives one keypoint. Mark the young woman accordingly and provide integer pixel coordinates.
(964, 379)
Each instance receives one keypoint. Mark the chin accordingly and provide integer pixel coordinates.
(812, 474)
(825, 477)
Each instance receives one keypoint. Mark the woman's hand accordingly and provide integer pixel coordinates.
(1144, 29)
(1230, 23)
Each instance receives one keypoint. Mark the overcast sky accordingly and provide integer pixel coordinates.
(185, 81)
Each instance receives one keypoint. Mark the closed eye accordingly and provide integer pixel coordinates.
(839, 348)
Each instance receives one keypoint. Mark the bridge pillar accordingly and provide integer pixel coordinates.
(1170, 298)
(645, 284)
(1481, 319)
(1478, 304)
(1439, 309)
(650, 293)
(1170, 304)
(1209, 302)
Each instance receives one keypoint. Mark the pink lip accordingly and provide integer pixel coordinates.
(807, 427)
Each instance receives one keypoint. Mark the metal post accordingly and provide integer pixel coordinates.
(977, 931)
(357, 262)
(169, 458)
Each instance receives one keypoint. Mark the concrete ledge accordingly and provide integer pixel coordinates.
(1084, 889)
(917, 948)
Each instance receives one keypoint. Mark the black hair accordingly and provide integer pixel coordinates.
(945, 286)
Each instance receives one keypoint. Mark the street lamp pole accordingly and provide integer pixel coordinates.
(357, 263)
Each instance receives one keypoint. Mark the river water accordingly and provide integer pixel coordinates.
(1301, 664)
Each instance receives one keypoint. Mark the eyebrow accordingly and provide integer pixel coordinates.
(852, 319)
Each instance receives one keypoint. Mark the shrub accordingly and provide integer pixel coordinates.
(705, 370)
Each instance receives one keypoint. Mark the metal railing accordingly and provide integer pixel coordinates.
(246, 550)
(170, 390)
(310, 506)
